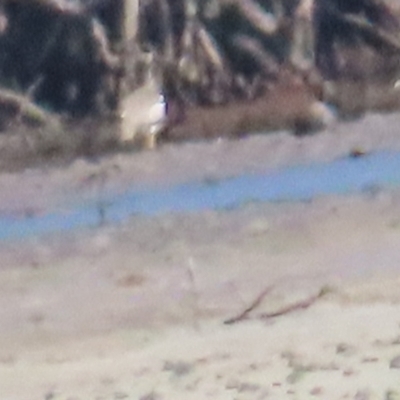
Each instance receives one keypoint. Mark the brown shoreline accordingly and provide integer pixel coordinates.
(290, 105)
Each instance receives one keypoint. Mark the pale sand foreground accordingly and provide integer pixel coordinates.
(137, 311)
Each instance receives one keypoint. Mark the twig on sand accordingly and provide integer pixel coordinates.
(254, 304)
(299, 305)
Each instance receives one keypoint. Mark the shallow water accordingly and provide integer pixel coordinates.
(297, 183)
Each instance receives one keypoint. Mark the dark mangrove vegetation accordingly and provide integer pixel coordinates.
(63, 61)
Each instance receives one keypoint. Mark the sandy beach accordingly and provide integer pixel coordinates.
(138, 309)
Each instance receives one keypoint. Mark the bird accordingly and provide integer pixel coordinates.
(144, 113)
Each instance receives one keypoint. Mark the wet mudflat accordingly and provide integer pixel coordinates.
(366, 173)
(349, 157)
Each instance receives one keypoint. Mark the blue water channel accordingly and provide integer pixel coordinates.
(296, 183)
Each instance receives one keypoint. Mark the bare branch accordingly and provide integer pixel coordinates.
(300, 305)
(254, 304)
(364, 25)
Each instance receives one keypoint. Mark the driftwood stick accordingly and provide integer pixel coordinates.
(300, 305)
(254, 304)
